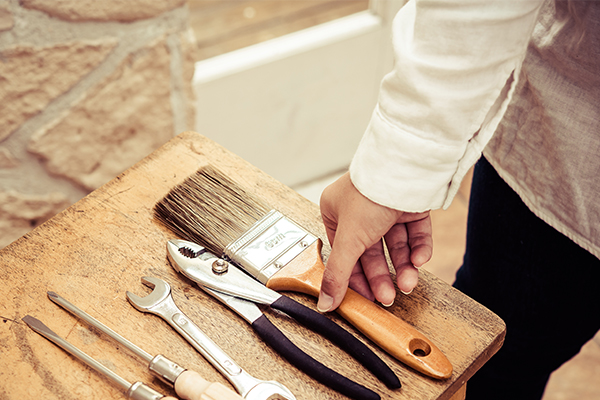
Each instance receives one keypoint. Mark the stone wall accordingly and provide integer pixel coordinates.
(87, 89)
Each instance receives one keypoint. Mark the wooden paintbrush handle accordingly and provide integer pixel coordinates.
(304, 273)
(395, 336)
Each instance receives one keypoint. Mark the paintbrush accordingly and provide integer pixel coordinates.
(208, 208)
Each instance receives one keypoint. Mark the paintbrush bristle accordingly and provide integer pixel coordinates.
(208, 208)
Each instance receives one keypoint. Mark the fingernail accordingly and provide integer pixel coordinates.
(407, 293)
(325, 302)
(388, 305)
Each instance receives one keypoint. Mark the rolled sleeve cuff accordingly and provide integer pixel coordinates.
(401, 170)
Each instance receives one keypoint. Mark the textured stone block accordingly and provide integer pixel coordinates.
(189, 52)
(121, 120)
(31, 77)
(6, 18)
(7, 159)
(19, 213)
(103, 10)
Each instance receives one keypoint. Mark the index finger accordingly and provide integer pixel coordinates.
(346, 249)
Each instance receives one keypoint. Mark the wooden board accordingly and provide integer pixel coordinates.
(99, 248)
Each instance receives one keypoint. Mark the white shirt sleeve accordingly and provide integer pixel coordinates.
(456, 66)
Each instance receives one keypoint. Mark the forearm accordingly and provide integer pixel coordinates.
(455, 62)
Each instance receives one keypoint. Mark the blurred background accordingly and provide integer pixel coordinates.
(90, 88)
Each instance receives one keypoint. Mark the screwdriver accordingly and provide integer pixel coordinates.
(189, 385)
(136, 391)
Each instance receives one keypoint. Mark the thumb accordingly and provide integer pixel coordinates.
(342, 260)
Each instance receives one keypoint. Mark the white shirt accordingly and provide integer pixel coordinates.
(498, 77)
(440, 105)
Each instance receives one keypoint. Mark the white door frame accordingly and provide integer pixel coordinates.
(296, 106)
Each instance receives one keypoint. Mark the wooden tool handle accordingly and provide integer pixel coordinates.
(304, 274)
(395, 336)
(191, 386)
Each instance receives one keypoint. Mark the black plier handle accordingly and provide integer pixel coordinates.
(241, 293)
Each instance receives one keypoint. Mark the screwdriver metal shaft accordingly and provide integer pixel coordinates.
(164, 368)
(188, 384)
(73, 309)
(136, 391)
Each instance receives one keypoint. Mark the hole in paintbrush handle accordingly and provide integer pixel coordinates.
(419, 347)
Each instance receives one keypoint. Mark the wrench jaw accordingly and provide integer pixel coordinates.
(160, 291)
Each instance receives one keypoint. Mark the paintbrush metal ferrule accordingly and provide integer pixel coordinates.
(269, 245)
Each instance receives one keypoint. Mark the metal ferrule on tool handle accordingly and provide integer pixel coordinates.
(269, 245)
(140, 391)
(165, 369)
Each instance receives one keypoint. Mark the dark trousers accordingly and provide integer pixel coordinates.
(544, 286)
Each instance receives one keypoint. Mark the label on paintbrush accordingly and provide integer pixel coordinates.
(269, 245)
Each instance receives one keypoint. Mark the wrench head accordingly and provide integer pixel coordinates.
(269, 390)
(160, 291)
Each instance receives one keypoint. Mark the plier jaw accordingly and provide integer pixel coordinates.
(216, 274)
(185, 255)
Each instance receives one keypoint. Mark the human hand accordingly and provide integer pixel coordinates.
(355, 227)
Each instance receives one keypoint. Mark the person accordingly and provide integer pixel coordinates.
(518, 82)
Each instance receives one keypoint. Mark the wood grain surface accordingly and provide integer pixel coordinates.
(99, 248)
